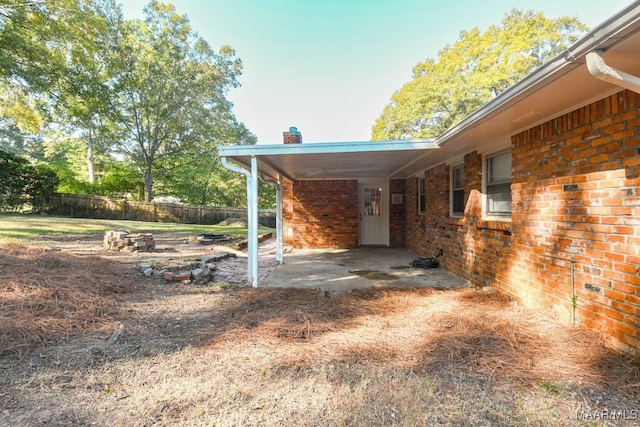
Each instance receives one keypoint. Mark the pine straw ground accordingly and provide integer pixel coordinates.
(88, 341)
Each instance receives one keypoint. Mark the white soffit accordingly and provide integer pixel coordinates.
(334, 160)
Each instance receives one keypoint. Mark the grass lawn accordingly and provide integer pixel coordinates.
(26, 227)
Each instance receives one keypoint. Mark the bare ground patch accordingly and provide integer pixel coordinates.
(216, 355)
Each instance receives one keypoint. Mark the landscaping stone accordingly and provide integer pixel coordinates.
(183, 276)
(198, 272)
(200, 276)
(118, 240)
(211, 266)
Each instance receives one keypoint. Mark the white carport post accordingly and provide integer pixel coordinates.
(278, 183)
(279, 224)
(252, 213)
(252, 216)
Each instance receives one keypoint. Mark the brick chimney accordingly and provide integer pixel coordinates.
(293, 136)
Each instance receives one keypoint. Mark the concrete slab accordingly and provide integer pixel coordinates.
(337, 270)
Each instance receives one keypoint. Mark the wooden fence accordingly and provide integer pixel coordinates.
(84, 206)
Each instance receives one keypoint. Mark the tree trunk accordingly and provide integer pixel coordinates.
(148, 182)
(90, 164)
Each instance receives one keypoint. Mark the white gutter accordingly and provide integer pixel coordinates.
(600, 70)
(252, 216)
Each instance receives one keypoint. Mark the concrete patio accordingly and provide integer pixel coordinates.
(338, 270)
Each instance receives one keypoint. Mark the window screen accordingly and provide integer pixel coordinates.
(372, 201)
(499, 184)
(421, 196)
(457, 190)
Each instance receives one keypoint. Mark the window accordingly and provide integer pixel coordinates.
(498, 184)
(421, 197)
(457, 191)
(372, 201)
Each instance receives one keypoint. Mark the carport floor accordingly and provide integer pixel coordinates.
(337, 270)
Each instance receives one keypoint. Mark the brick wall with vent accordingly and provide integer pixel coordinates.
(576, 202)
(575, 222)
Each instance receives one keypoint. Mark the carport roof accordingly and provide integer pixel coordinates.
(334, 160)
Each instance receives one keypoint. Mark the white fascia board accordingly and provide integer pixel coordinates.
(326, 147)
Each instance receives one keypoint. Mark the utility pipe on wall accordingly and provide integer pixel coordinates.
(600, 70)
(279, 223)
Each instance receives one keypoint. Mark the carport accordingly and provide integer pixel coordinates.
(342, 270)
(275, 163)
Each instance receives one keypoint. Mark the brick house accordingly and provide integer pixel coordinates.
(536, 194)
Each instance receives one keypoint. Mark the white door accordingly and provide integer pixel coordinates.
(373, 201)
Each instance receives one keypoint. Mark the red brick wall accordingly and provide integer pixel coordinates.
(397, 215)
(415, 223)
(474, 249)
(321, 214)
(427, 234)
(575, 208)
(324, 214)
(576, 205)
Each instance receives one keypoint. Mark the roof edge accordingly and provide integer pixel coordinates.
(602, 37)
(326, 147)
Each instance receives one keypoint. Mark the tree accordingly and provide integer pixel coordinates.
(56, 67)
(197, 177)
(41, 186)
(25, 60)
(14, 175)
(23, 183)
(171, 88)
(83, 95)
(98, 97)
(468, 74)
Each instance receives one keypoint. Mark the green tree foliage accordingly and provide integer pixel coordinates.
(22, 183)
(41, 186)
(24, 59)
(56, 66)
(114, 178)
(197, 177)
(119, 107)
(82, 97)
(469, 73)
(172, 89)
(14, 173)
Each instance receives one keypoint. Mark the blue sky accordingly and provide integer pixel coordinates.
(329, 67)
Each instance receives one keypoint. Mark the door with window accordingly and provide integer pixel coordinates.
(373, 201)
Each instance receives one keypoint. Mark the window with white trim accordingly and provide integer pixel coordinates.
(457, 190)
(421, 197)
(498, 184)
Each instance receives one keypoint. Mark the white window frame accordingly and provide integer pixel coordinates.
(491, 182)
(453, 189)
(422, 196)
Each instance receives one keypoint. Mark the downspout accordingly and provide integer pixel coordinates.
(279, 224)
(600, 70)
(252, 216)
(279, 221)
